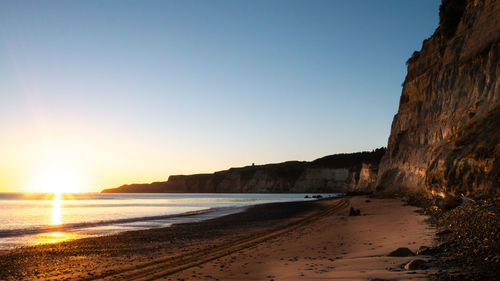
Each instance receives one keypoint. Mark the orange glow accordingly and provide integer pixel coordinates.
(57, 179)
(60, 163)
(66, 164)
(54, 237)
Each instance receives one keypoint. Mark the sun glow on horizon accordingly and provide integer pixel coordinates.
(57, 179)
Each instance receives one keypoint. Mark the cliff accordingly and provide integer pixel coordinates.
(445, 135)
(334, 173)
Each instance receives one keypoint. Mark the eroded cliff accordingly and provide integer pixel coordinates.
(445, 135)
(334, 173)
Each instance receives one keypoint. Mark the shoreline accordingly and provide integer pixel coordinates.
(110, 214)
(143, 244)
(262, 231)
(83, 225)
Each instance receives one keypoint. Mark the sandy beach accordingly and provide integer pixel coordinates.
(335, 247)
(278, 241)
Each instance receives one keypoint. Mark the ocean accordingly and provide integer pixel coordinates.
(31, 219)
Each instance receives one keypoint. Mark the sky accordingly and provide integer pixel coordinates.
(96, 94)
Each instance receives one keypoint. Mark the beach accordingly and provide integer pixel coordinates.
(277, 241)
(32, 219)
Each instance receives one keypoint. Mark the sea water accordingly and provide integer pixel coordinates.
(30, 219)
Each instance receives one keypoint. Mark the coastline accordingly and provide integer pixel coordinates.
(292, 241)
(93, 215)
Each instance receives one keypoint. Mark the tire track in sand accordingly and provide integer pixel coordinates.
(163, 267)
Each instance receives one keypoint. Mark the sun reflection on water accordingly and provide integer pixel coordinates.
(54, 237)
(55, 221)
(56, 218)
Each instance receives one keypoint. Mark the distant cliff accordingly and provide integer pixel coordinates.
(334, 173)
(445, 136)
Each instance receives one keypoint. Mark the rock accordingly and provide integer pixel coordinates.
(444, 232)
(354, 212)
(445, 245)
(416, 265)
(401, 252)
(449, 202)
(445, 134)
(424, 250)
(307, 196)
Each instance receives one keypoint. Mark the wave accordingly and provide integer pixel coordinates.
(73, 226)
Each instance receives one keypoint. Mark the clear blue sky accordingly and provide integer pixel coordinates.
(133, 91)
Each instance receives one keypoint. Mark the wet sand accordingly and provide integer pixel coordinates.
(278, 241)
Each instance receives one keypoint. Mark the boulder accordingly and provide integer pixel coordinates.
(401, 252)
(424, 250)
(416, 265)
(449, 202)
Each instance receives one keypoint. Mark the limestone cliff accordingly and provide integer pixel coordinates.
(334, 173)
(445, 135)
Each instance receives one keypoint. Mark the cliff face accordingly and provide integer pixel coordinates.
(335, 173)
(445, 136)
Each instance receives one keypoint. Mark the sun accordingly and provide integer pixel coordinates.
(57, 179)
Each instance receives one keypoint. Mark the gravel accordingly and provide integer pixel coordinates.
(468, 239)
